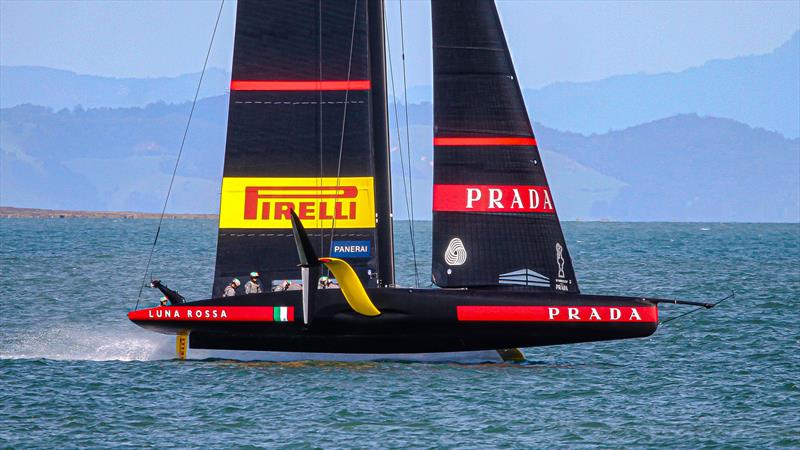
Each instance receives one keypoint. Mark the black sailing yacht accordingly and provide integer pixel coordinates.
(307, 180)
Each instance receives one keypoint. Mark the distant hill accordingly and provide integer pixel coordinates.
(58, 89)
(759, 90)
(681, 168)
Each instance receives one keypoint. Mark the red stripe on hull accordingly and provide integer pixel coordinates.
(313, 85)
(209, 314)
(483, 141)
(557, 313)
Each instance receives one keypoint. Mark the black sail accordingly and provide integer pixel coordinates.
(494, 220)
(307, 109)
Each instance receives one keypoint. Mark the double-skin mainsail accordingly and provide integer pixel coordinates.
(307, 130)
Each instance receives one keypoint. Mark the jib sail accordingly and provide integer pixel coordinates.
(494, 219)
(306, 132)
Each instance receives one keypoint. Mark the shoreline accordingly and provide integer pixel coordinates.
(8, 212)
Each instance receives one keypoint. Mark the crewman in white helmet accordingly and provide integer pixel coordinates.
(163, 301)
(254, 285)
(230, 290)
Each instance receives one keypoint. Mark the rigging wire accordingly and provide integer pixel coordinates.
(180, 152)
(344, 116)
(663, 322)
(406, 183)
(319, 101)
(408, 147)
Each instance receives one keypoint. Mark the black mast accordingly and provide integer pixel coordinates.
(380, 143)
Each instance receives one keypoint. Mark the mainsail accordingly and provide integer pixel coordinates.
(494, 220)
(306, 132)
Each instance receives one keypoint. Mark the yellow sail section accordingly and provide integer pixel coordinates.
(347, 202)
(351, 286)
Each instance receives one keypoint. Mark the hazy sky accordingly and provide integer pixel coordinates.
(551, 41)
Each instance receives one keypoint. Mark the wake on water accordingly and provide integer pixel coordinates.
(75, 342)
(79, 343)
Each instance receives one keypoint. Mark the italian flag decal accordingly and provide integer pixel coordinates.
(283, 313)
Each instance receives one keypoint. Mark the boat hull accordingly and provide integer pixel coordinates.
(411, 321)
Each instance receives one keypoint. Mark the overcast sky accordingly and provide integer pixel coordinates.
(550, 41)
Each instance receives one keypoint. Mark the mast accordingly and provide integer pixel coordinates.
(380, 143)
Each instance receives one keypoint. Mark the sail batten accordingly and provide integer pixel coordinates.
(494, 217)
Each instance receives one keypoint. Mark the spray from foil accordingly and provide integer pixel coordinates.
(79, 343)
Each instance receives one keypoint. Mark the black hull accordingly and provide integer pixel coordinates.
(411, 321)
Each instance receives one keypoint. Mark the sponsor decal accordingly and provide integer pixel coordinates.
(562, 284)
(557, 313)
(492, 198)
(560, 259)
(524, 277)
(346, 202)
(351, 249)
(283, 314)
(216, 313)
(455, 254)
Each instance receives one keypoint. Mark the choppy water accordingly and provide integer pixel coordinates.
(75, 373)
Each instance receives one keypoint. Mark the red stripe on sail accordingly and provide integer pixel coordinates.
(312, 85)
(492, 198)
(209, 314)
(642, 314)
(483, 141)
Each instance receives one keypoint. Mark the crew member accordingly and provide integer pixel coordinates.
(327, 283)
(284, 285)
(163, 301)
(230, 290)
(253, 286)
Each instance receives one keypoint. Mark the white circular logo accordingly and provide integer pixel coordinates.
(456, 254)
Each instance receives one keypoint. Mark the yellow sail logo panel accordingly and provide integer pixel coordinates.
(346, 202)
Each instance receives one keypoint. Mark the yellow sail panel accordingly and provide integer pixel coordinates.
(347, 202)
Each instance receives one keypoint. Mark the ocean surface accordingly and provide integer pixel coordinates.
(75, 373)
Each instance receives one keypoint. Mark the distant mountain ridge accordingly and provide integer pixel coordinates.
(681, 168)
(57, 89)
(759, 90)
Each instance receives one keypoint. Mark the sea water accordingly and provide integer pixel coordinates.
(75, 373)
